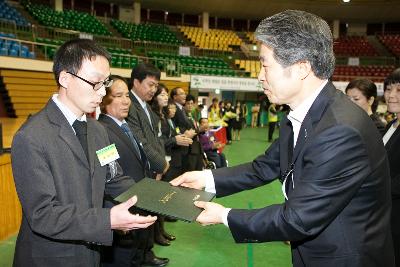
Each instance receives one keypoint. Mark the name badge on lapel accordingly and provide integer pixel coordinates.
(107, 154)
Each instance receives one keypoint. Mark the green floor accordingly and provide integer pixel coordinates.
(213, 245)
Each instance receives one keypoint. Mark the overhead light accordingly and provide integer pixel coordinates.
(346, 1)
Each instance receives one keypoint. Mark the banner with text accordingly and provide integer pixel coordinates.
(225, 83)
(246, 84)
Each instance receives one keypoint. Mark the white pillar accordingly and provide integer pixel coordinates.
(58, 5)
(206, 21)
(136, 12)
(336, 29)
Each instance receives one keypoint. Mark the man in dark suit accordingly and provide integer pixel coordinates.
(336, 180)
(195, 156)
(141, 119)
(60, 170)
(128, 249)
(185, 126)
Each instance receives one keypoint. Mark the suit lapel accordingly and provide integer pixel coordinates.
(393, 138)
(313, 117)
(66, 132)
(142, 113)
(119, 132)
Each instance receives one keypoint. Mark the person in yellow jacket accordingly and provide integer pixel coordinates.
(272, 121)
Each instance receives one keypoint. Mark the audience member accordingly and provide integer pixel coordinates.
(255, 109)
(391, 139)
(237, 122)
(142, 120)
(210, 144)
(363, 92)
(272, 120)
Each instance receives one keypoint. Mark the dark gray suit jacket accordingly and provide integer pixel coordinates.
(338, 210)
(148, 135)
(61, 193)
(130, 161)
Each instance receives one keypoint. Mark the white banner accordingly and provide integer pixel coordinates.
(247, 84)
(225, 83)
(184, 51)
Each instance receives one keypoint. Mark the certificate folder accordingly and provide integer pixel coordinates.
(162, 198)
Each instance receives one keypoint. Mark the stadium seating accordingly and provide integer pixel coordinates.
(14, 48)
(69, 19)
(8, 12)
(353, 46)
(213, 39)
(146, 32)
(392, 42)
(192, 65)
(251, 67)
(374, 72)
(251, 37)
(28, 91)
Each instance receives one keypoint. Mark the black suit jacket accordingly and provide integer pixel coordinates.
(393, 151)
(61, 192)
(338, 210)
(181, 120)
(130, 161)
(148, 135)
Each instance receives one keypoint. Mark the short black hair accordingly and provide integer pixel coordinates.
(393, 78)
(190, 98)
(71, 54)
(367, 89)
(142, 71)
(201, 119)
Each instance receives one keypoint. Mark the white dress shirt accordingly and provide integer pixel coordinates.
(69, 115)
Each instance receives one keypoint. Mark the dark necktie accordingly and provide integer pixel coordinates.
(80, 128)
(128, 132)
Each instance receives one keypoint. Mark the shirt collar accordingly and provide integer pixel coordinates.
(69, 115)
(117, 121)
(179, 105)
(141, 102)
(297, 115)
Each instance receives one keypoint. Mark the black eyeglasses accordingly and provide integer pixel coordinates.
(96, 86)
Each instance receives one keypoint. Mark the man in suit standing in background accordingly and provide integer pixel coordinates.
(60, 169)
(141, 119)
(335, 181)
(133, 248)
(181, 120)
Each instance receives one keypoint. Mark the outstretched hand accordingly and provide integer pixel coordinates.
(122, 219)
(211, 214)
(193, 179)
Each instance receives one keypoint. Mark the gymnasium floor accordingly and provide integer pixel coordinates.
(198, 246)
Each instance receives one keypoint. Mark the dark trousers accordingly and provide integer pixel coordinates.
(218, 158)
(271, 129)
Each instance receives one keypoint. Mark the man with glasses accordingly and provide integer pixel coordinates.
(61, 161)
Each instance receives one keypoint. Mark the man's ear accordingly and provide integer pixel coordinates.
(304, 69)
(63, 79)
(136, 83)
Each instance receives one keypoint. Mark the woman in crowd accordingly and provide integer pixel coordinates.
(363, 92)
(237, 123)
(391, 139)
(158, 103)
